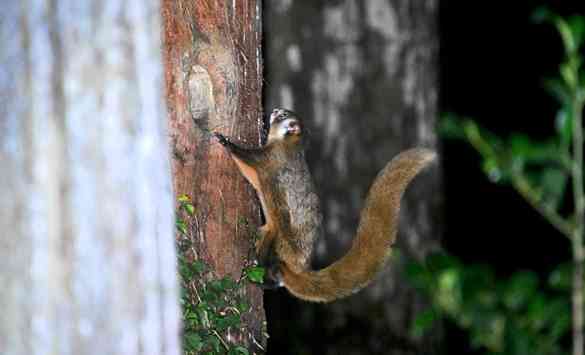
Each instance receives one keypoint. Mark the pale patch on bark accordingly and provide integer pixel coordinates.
(282, 6)
(417, 93)
(342, 22)
(293, 56)
(381, 17)
(286, 97)
(334, 82)
(331, 87)
(201, 102)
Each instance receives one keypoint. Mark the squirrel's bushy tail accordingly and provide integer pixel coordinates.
(375, 235)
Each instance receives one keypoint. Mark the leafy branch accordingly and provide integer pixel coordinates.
(542, 173)
(212, 307)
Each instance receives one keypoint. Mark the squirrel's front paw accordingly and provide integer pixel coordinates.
(221, 138)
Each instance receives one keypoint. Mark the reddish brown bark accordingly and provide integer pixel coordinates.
(213, 77)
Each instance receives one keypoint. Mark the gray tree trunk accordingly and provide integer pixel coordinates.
(87, 258)
(364, 76)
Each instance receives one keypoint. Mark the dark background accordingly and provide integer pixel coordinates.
(493, 60)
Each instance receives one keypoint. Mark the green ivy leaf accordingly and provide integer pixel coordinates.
(193, 341)
(255, 274)
(576, 25)
(420, 276)
(537, 309)
(450, 126)
(520, 289)
(564, 126)
(449, 295)
(220, 324)
(554, 183)
(493, 170)
(566, 35)
(477, 284)
(215, 344)
(560, 312)
(232, 320)
(489, 331)
(243, 307)
(561, 278)
(184, 198)
(423, 322)
(189, 208)
(185, 271)
(521, 145)
(524, 149)
(198, 266)
(209, 295)
(181, 226)
(215, 285)
(228, 283)
(569, 76)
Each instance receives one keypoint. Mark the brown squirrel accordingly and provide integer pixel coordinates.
(280, 175)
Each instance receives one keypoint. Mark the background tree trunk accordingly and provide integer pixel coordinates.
(214, 77)
(364, 75)
(87, 259)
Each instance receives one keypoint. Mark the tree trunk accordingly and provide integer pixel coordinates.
(364, 76)
(87, 259)
(213, 82)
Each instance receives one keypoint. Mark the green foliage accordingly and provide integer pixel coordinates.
(212, 307)
(518, 315)
(255, 274)
(539, 170)
(521, 314)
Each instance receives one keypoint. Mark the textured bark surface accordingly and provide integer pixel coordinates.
(364, 76)
(87, 258)
(214, 77)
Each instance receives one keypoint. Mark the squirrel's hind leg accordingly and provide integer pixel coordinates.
(268, 259)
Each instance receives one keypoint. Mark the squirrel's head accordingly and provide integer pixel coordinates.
(285, 126)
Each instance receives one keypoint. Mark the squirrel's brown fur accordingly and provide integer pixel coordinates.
(280, 175)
